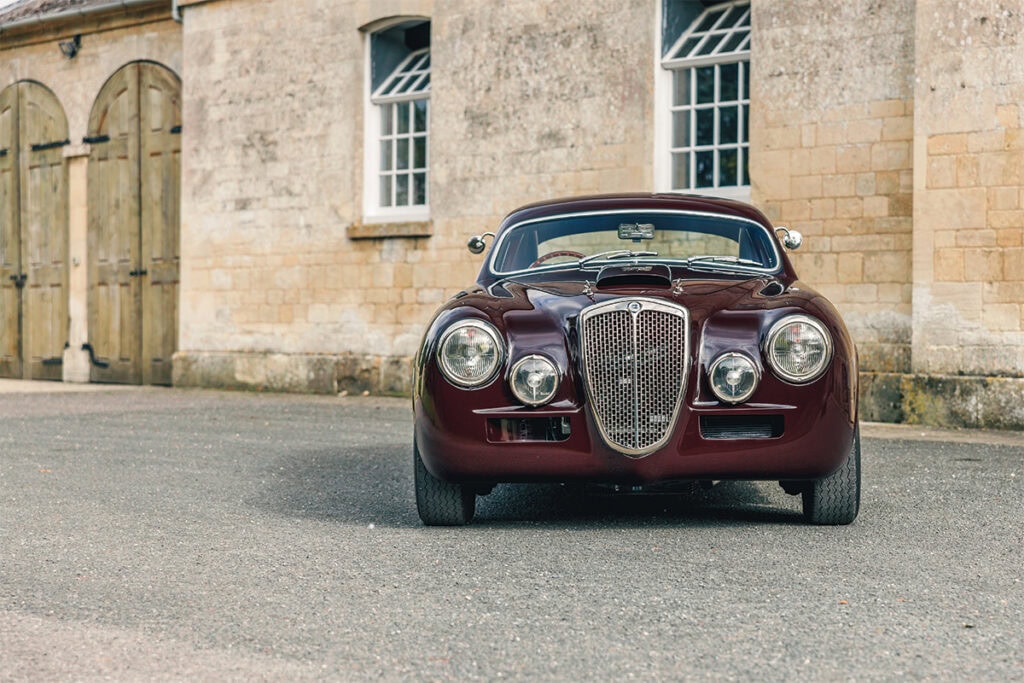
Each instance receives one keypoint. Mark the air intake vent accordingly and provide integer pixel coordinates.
(741, 426)
(635, 360)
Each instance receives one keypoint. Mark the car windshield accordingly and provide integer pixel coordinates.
(699, 240)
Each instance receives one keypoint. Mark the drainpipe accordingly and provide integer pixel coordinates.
(80, 12)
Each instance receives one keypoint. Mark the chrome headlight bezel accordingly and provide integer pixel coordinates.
(556, 374)
(773, 362)
(734, 355)
(449, 373)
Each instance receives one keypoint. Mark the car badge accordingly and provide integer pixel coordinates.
(634, 307)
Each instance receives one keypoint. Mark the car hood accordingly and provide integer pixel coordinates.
(519, 301)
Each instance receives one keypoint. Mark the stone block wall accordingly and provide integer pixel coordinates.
(274, 284)
(969, 189)
(832, 115)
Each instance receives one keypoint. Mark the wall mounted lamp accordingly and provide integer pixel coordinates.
(69, 48)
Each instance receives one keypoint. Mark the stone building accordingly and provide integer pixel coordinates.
(276, 195)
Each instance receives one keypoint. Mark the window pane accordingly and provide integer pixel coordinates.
(419, 152)
(727, 163)
(419, 116)
(705, 127)
(745, 133)
(734, 42)
(402, 190)
(711, 44)
(681, 171)
(729, 82)
(385, 119)
(681, 128)
(385, 156)
(419, 191)
(705, 176)
(385, 190)
(402, 109)
(728, 125)
(732, 14)
(744, 174)
(681, 86)
(745, 68)
(705, 84)
(417, 64)
(709, 21)
(688, 46)
(402, 153)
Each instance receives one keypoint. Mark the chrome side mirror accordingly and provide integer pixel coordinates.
(476, 243)
(792, 238)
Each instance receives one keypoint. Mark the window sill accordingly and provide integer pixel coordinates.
(397, 229)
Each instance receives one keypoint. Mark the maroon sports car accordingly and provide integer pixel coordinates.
(636, 340)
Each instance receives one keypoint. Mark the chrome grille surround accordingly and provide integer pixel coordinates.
(636, 358)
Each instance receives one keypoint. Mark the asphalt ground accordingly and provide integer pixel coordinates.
(169, 534)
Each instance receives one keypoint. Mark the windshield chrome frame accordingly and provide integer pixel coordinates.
(709, 265)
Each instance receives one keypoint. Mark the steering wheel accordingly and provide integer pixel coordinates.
(555, 254)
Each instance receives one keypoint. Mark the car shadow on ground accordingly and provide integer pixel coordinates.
(688, 504)
(377, 488)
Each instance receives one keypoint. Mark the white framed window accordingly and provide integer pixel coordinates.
(705, 141)
(397, 167)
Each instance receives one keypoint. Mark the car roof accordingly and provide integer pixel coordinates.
(638, 202)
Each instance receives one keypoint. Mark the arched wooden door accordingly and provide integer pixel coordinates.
(33, 232)
(134, 190)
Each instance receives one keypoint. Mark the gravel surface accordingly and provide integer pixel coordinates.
(169, 534)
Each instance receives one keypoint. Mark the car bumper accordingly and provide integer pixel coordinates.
(462, 444)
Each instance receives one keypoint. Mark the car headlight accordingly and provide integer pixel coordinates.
(733, 377)
(534, 380)
(470, 353)
(798, 348)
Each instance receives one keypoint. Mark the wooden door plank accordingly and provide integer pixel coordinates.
(114, 249)
(44, 227)
(160, 121)
(10, 236)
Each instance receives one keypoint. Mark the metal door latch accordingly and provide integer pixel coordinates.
(19, 280)
(135, 273)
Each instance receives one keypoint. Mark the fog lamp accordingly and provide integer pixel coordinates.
(534, 380)
(733, 377)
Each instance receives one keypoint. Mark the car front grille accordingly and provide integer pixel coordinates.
(635, 358)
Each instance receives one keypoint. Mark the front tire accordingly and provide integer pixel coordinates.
(439, 502)
(835, 499)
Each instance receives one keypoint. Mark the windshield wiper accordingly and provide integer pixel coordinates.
(715, 259)
(615, 253)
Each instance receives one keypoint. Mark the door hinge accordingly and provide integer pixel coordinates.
(92, 356)
(50, 145)
(95, 139)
